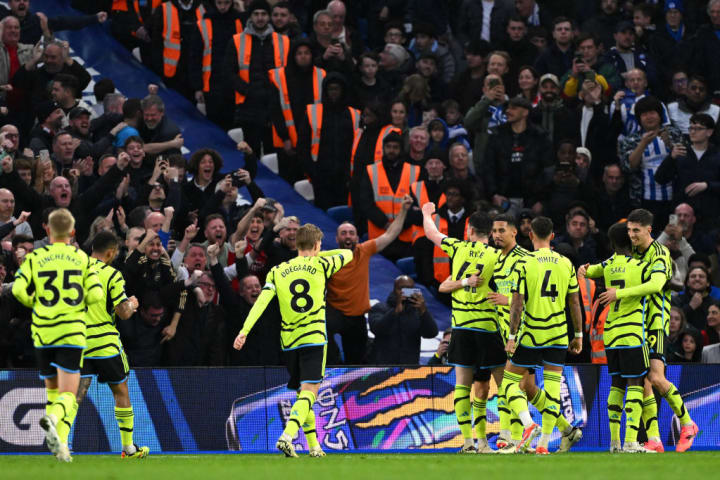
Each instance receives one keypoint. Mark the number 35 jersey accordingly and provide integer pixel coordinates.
(300, 287)
(58, 282)
(545, 279)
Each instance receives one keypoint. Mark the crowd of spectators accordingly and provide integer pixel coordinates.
(580, 111)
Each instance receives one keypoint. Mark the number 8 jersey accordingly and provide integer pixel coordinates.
(300, 287)
(545, 279)
(58, 282)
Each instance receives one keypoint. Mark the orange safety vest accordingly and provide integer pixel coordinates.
(278, 78)
(389, 201)
(171, 37)
(243, 46)
(441, 262)
(420, 192)
(587, 295)
(597, 327)
(315, 113)
(206, 32)
(384, 132)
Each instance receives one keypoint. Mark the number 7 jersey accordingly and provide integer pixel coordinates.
(58, 282)
(300, 285)
(545, 279)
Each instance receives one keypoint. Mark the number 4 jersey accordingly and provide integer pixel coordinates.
(57, 282)
(300, 287)
(471, 309)
(546, 277)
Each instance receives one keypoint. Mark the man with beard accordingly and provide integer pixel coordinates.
(297, 85)
(549, 110)
(262, 348)
(282, 248)
(160, 134)
(247, 60)
(327, 147)
(348, 297)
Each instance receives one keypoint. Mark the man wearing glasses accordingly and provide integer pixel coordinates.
(694, 170)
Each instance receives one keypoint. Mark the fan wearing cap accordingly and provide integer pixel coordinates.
(625, 57)
(49, 122)
(383, 185)
(550, 109)
(173, 28)
(425, 41)
(694, 171)
(642, 153)
(517, 160)
(248, 58)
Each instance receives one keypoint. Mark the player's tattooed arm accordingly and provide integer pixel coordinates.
(83, 388)
(516, 305)
(127, 308)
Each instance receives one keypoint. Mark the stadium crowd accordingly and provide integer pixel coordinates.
(579, 111)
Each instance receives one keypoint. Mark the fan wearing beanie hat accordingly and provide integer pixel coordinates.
(259, 5)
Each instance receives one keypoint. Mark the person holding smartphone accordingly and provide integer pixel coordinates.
(399, 324)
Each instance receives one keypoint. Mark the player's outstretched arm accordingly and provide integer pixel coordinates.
(396, 227)
(573, 300)
(267, 294)
(590, 271)
(338, 258)
(431, 231)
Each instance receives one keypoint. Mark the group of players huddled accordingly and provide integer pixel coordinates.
(508, 316)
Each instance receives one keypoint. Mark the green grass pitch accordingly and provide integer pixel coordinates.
(578, 466)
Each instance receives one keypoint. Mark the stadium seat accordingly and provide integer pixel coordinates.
(237, 135)
(407, 266)
(340, 214)
(305, 189)
(270, 161)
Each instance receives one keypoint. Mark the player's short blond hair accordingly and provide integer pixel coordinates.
(61, 223)
(307, 237)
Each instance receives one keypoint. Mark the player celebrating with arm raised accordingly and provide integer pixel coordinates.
(58, 283)
(300, 287)
(104, 355)
(657, 325)
(545, 283)
(475, 341)
(624, 335)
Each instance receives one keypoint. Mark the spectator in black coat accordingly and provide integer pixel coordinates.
(695, 299)
(399, 324)
(160, 134)
(695, 171)
(706, 46)
(603, 24)
(469, 21)
(558, 57)
(517, 160)
(201, 338)
(611, 202)
(263, 346)
(142, 335)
